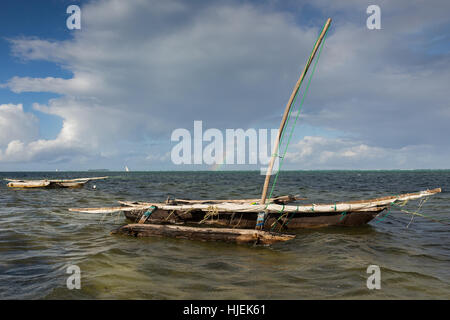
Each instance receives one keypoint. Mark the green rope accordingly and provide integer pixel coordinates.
(295, 98)
(399, 206)
(289, 220)
(298, 114)
(343, 215)
(276, 221)
(420, 214)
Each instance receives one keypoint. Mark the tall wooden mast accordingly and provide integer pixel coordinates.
(288, 107)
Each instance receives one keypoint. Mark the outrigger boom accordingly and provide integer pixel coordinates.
(229, 206)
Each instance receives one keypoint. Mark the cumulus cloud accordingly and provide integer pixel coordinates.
(20, 141)
(314, 152)
(76, 86)
(20, 138)
(214, 63)
(143, 68)
(16, 124)
(154, 68)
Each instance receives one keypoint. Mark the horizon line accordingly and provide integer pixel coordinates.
(229, 170)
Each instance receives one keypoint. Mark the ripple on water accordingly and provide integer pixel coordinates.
(39, 238)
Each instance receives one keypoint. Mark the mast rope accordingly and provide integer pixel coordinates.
(400, 206)
(296, 117)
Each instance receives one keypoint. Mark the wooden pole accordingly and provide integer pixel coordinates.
(286, 111)
(203, 234)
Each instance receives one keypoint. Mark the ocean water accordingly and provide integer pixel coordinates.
(40, 238)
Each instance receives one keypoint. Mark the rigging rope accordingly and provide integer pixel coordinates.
(412, 213)
(296, 118)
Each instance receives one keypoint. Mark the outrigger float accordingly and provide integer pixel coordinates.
(249, 220)
(51, 183)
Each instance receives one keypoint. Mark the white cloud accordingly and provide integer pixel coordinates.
(157, 157)
(214, 63)
(138, 73)
(313, 152)
(143, 68)
(15, 124)
(79, 85)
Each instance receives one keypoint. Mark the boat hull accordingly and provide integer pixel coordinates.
(51, 183)
(33, 184)
(247, 220)
(68, 185)
(45, 184)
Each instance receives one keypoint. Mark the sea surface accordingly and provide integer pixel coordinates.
(40, 239)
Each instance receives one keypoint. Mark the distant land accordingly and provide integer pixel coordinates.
(98, 170)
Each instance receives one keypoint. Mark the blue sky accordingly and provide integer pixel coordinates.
(32, 19)
(111, 94)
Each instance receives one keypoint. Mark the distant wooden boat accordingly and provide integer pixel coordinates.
(45, 184)
(51, 183)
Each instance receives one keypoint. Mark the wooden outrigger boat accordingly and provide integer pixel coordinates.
(249, 220)
(238, 217)
(51, 183)
(279, 217)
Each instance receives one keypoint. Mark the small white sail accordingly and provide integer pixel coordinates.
(126, 169)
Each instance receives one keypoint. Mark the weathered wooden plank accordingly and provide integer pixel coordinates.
(281, 199)
(50, 183)
(350, 206)
(108, 209)
(204, 234)
(67, 184)
(56, 180)
(29, 184)
(146, 214)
